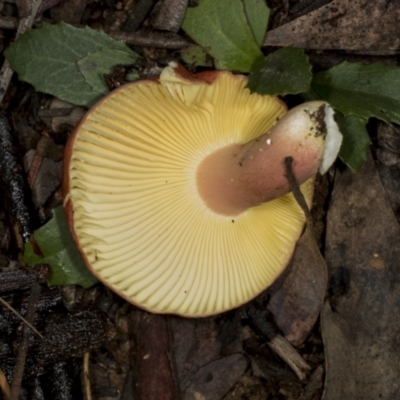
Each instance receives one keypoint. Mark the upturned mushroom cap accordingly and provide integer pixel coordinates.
(134, 196)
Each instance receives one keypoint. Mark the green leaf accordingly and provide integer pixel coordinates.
(285, 71)
(58, 250)
(221, 28)
(95, 65)
(257, 14)
(48, 58)
(132, 75)
(197, 56)
(356, 141)
(363, 90)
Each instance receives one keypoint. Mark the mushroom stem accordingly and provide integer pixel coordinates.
(239, 176)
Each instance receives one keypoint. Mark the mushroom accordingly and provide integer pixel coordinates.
(175, 188)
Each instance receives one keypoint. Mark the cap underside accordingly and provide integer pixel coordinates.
(138, 216)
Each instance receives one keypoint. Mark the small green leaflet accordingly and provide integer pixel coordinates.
(363, 90)
(223, 30)
(285, 71)
(196, 56)
(55, 243)
(356, 140)
(68, 62)
(95, 65)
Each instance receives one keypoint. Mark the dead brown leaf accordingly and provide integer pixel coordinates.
(203, 373)
(297, 297)
(363, 25)
(360, 323)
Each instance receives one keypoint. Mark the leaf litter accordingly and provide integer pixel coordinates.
(359, 319)
(241, 340)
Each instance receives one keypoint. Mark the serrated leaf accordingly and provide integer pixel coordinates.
(59, 252)
(48, 58)
(221, 28)
(257, 14)
(285, 71)
(356, 141)
(363, 90)
(95, 65)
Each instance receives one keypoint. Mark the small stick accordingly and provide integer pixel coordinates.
(295, 188)
(171, 14)
(23, 347)
(282, 347)
(259, 322)
(87, 392)
(298, 195)
(161, 40)
(5, 387)
(34, 169)
(13, 310)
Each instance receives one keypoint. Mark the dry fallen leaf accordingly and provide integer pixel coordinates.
(360, 323)
(297, 297)
(364, 25)
(203, 373)
(388, 156)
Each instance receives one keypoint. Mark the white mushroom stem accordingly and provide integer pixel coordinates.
(236, 177)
